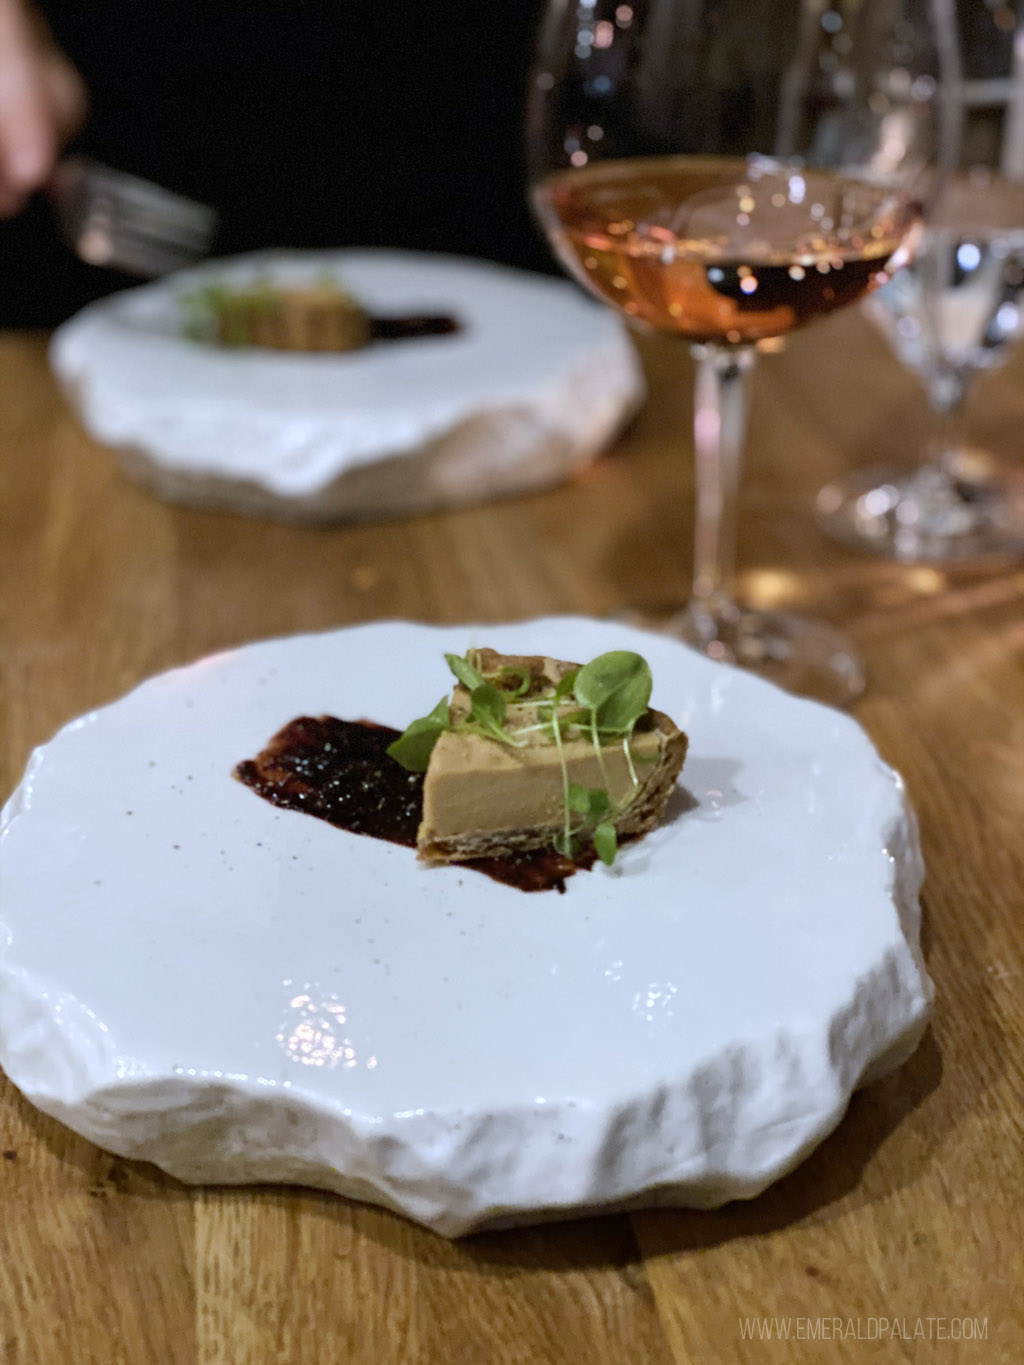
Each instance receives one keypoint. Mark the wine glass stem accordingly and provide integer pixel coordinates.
(720, 429)
(947, 395)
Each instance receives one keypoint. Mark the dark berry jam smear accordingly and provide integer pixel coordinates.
(339, 771)
(413, 325)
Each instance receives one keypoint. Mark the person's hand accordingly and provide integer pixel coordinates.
(43, 103)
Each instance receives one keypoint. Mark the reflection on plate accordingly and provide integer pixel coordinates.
(239, 993)
(532, 387)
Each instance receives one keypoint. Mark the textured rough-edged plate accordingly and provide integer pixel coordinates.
(535, 384)
(240, 993)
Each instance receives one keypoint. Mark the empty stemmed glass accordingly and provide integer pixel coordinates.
(953, 314)
(726, 172)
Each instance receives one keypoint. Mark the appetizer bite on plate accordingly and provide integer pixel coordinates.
(321, 315)
(317, 317)
(535, 753)
(533, 770)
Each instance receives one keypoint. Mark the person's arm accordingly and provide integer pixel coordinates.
(43, 103)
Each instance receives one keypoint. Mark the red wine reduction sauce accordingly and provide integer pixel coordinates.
(338, 770)
(413, 325)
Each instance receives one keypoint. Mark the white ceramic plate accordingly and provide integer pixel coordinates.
(535, 384)
(241, 993)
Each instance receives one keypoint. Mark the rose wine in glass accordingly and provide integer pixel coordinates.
(724, 173)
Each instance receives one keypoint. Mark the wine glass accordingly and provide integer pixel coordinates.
(953, 314)
(725, 172)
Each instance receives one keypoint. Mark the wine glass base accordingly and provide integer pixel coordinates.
(799, 654)
(925, 515)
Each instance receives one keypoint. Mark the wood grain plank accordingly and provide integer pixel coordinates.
(913, 1208)
(270, 1261)
(96, 1254)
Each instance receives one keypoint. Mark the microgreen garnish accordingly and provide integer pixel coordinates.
(415, 744)
(521, 676)
(217, 312)
(565, 684)
(594, 806)
(603, 699)
(606, 842)
(466, 672)
(488, 705)
(564, 842)
(487, 711)
(616, 689)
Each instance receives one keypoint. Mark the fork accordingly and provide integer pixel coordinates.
(113, 219)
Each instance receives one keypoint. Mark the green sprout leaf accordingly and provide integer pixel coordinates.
(565, 844)
(590, 802)
(515, 681)
(414, 746)
(467, 675)
(616, 689)
(487, 710)
(595, 806)
(606, 842)
(565, 684)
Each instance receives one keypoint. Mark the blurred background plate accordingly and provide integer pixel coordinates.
(537, 381)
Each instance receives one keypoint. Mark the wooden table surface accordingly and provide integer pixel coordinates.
(898, 1238)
